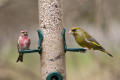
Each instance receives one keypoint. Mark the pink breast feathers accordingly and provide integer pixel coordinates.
(24, 43)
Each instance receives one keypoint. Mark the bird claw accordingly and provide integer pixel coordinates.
(86, 48)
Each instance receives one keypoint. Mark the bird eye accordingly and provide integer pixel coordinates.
(73, 30)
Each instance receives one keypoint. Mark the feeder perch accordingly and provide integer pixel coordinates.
(70, 49)
(40, 36)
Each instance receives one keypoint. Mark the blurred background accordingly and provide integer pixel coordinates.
(100, 18)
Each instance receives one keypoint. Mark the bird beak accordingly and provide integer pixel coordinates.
(25, 33)
(70, 32)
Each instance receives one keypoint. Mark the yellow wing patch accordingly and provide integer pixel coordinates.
(95, 43)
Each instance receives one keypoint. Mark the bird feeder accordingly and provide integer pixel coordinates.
(52, 75)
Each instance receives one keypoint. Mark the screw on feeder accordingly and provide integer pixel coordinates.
(70, 49)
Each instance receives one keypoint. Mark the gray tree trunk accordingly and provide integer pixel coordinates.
(53, 55)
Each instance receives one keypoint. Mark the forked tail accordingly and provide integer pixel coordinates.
(20, 58)
(107, 53)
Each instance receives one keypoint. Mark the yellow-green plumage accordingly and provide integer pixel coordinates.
(87, 41)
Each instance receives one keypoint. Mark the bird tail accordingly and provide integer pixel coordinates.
(107, 53)
(20, 58)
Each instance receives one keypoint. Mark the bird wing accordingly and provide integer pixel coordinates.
(18, 47)
(29, 42)
(90, 39)
(93, 41)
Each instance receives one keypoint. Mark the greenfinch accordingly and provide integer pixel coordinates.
(86, 41)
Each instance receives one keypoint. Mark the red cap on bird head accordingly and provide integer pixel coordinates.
(23, 31)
